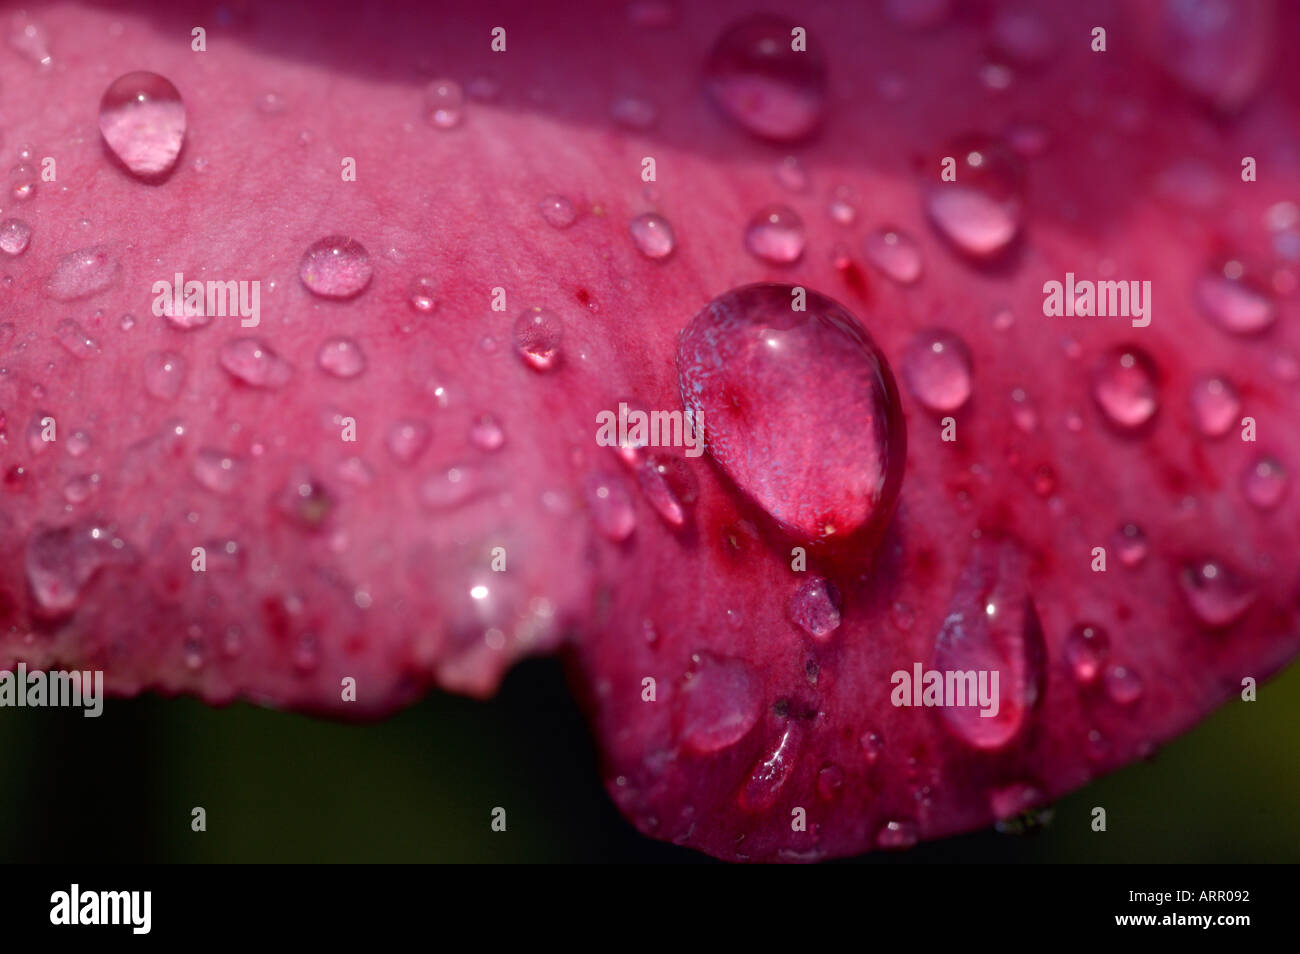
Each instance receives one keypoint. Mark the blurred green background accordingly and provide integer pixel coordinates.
(419, 787)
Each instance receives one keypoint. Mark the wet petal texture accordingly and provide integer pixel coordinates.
(362, 525)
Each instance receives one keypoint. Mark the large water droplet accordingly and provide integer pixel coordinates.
(937, 370)
(1085, 651)
(164, 374)
(825, 462)
(15, 236)
(444, 103)
(82, 273)
(760, 82)
(610, 505)
(1215, 405)
(1236, 302)
(771, 773)
(60, 562)
(1264, 483)
(652, 235)
(992, 625)
(537, 336)
(253, 362)
(895, 254)
(142, 119)
(1124, 387)
(720, 703)
(980, 212)
(1216, 593)
(815, 607)
(336, 267)
(776, 234)
(341, 357)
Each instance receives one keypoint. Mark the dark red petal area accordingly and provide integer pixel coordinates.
(739, 678)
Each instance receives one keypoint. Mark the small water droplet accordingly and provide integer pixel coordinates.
(776, 234)
(444, 103)
(271, 103)
(815, 607)
(164, 374)
(1215, 405)
(449, 488)
(980, 212)
(769, 89)
(1130, 544)
(652, 235)
(830, 781)
(423, 295)
(82, 273)
(632, 112)
(15, 236)
(895, 254)
(1219, 52)
(537, 337)
(841, 208)
(342, 358)
(81, 488)
(74, 339)
(407, 440)
(336, 267)
(610, 505)
(1085, 651)
(1124, 387)
(1264, 483)
(486, 434)
(557, 211)
(872, 745)
(790, 174)
(1234, 300)
(720, 702)
(216, 470)
(937, 370)
(142, 119)
(78, 443)
(1215, 593)
(253, 362)
(1123, 685)
(23, 182)
(770, 774)
(897, 835)
(669, 485)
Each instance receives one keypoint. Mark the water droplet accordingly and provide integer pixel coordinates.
(1123, 685)
(23, 182)
(537, 336)
(1216, 593)
(937, 370)
(305, 502)
(253, 362)
(897, 835)
(611, 506)
(142, 119)
(30, 39)
(771, 773)
(979, 213)
(15, 236)
(1234, 300)
(790, 174)
(407, 440)
(872, 745)
(82, 273)
(423, 295)
(444, 103)
(632, 112)
(776, 234)
(828, 465)
(61, 562)
(830, 781)
(1264, 483)
(164, 374)
(341, 357)
(336, 267)
(1219, 52)
(1023, 37)
(720, 702)
(841, 208)
(74, 339)
(78, 443)
(1130, 544)
(815, 607)
(486, 433)
(449, 488)
(80, 489)
(1215, 405)
(652, 235)
(557, 211)
(217, 471)
(1085, 650)
(758, 81)
(992, 625)
(895, 254)
(1124, 387)
(670, 486)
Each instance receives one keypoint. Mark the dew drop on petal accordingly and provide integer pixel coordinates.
(652, 235)
(537, 337)
(981, 211)
(895, 254)
(1216, 406)
(872, 746)
(1124, 387)
(557, 211)
(82, 273)
(670, 486)
(776, 234)
(1234, 300)
(30, 39)
(1085, 651)
(60, 562)
(1130, 543)
(772, 771)
(342, 358)
(1216, 594)
(164, 374)
(142, 119)
(1123, 685)
(937, 370)
(767, 88)
(815, 607)
(444, 103)
(15, 236)
(897, 835)
(1264, 483)
(336, 267)
(74, 339)
(610, 505)
(720, 702)
(423, 295)
(407, 440)
(253, 362)
(449, 488)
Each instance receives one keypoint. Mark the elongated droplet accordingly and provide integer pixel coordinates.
(815, 607)
(1216, 407)
(776, 234)
(142, 119)
(15, 236)
(1124, 387)
(611, 506)
(769, 89)
(82, 273)
(61, 562)
(937, 370)
(720, 702)
(253, 362)
(336, 267)
(537, 336)
(1236, 302)
(1264, 483)
(444, 103)
(1215, 593)
(74, 339)
(771, 773)
(652, 235)
(670, 486)
(164, 374)
(423, 295)
(342, 358)
(980, 211)
(1085, 651)
(823, 463)
(895, 254)
(992, 626)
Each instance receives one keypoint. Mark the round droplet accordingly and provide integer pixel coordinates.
(15, 236)
(450, 488)
(82, 273)
(336, 267)
(486, 433)
(872, 745)
(1216, 594)
(305, 502)
(980, 211)
(1123, 685)
(632, 112)
(1130, 543)
(423, 295)
(1124, 387)
(776, 235)
(897, 835)
(1264, 483)
(217, 470)
(824, 462)
(611, 506)
(761, 83)
(1235, 301)
(652, 235)
(1216, 406)
(253, 362)
(937, 370)
(142, 119)
(815, 607)
(557, 211)
(720, 702)
(444, 103)
(670, 486)
(164, 374)
(1085, 651)
(895, 254)
(537, 336)
(341, 357)
(407, 440)
(772, 771)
